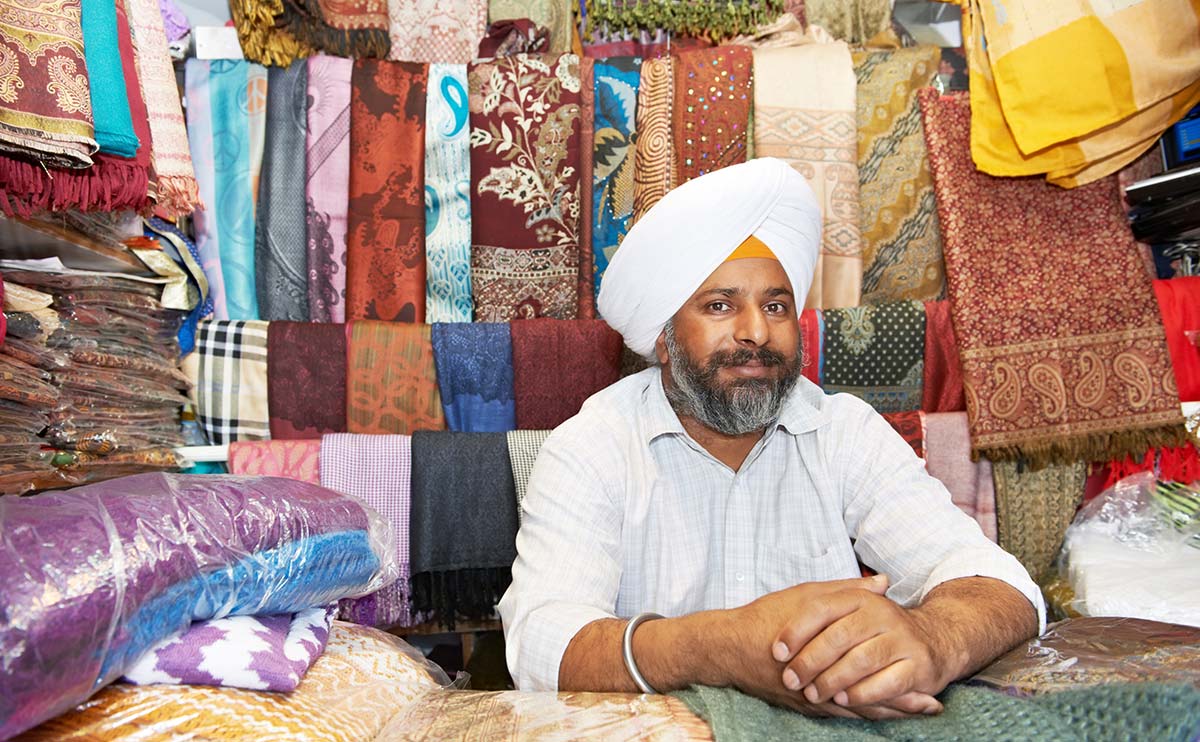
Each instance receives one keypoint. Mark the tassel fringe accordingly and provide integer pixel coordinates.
(461, 594)
(714, 21)
(1093, 447)
(111, 184)
(262, 36)
(178, 195)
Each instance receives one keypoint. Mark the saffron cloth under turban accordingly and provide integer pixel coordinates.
(678, 244)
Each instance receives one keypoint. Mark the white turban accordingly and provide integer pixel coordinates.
(686, 236)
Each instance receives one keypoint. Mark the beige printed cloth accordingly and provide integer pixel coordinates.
(433, 31)
(813, 127)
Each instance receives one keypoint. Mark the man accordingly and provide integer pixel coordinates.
(724, 491)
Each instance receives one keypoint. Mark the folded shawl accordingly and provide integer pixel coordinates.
(523, 449)
(911, 427)
(557, 365)
(110, 95)
(385, 244)
(813, 128)
(948, 459)
(475, 376)
(1055, 369)
(464, 524)
(197, 84)
(812, 339)
(617, 80)
(902, 246)
(553, 15)
(375, 469)
(448, 196)
(391, 383)
(230, 386)
(306, 379)
(943, 389)
(525, 226)
(587, 139)
(876, 352)
(289, 459)
(327, 185)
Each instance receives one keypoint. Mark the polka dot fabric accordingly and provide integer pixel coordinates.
(877, 352)
(713, 95)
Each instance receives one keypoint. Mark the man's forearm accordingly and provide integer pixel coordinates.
(972, 621)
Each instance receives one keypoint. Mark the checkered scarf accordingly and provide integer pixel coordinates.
(523, 447)
(231, 380)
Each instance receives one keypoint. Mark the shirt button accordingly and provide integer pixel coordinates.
(740, 577)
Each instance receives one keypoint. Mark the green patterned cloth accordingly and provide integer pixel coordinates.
(877, 353)
(1126, 711)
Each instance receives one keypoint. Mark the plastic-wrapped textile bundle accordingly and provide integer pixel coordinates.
(96, 575)
(27, 398)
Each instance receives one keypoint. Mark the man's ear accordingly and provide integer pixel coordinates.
(660, 348)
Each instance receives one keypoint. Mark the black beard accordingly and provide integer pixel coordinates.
(739, 407)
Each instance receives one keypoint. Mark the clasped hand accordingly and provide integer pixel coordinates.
(843, 649)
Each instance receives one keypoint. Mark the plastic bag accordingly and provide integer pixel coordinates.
(96, 575)
(1134, 551)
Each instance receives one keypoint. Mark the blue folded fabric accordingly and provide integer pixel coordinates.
(475, 376)
(110, 100)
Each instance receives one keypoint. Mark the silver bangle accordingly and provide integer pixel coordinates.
(627, 650)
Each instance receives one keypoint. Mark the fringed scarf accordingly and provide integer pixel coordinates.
(391, 382)
(654, 152)
(448, 196)
(1059, 364)
(714, 90)
(876, 353)
(327, 185)
(376, 469)
(902, 247)
(347, 28)
(943, 390)
(557, 365)
(463, 526)
(813, 128)
(525, 229)
(475, 376)
(281, 234)
(306, 379)
(446, 31)
(177, 191)
(715, 21)
(385, 251)
(291, 459)
(616, 91)
(948, 459)
(262, 34)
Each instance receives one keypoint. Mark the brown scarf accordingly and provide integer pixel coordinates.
(711, 113)
(391, 385)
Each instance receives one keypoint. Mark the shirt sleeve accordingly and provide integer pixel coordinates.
(903, 521)
(567, 572)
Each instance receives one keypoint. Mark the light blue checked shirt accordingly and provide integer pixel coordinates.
(626, 513)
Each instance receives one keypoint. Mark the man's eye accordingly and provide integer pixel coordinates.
(718, 306)
(776, 307)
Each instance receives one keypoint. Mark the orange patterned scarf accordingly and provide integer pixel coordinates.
(654, 157)
(711, 113)
(391, 385)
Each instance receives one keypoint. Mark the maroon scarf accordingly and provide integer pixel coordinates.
(306, 379)
(558, 365)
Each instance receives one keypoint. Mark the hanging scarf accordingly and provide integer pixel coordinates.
(902, 247)
(172, 161)
(654, 153)
(464, 524)
(41, 118)
(281, 237)
(346, 28)
(852, 21)
(616, 93)
(876, 353)
(291, 459)
(306, 374)
(557, 365)
(523, 448)
(198, 89)
(1033, 510)
(943, 390)
(553, 15)
(385, 251)
(514, 36)
(587, 140)
(1055, 369)
(447, 196)
(812, 127)
(948, 459)
(911, 427)
(525, 186)
(436, 31)
(256, 127)
(327, 185)
(230, 380)
(475, 376)
(812, 337)
(110, 96)
(714, 89)
(262, 35)
(391, 384)
(377, 470)
(1179, 304)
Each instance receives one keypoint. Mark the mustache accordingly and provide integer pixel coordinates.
(742, 356)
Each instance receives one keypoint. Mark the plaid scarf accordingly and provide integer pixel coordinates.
(230, 385)
(523, 448)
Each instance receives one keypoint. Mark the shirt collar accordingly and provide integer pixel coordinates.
(804, 410)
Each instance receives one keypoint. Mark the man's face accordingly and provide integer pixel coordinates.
(732, 352)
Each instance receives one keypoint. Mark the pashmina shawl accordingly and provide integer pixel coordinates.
(111, 116)
(557, 365)
(615, 92)
(525, 210)
(714, 90)
(876, 352)
(298, 460)
(327, 185)
(436, 31)
(391, 384)
(1054, 370)
(306, 374)
(943, 390)
(385, 251)
(654, 151)
(230, 382)
(475, 376)
(447, 196)
(948, 459)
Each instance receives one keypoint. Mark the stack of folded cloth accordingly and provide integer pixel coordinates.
(27, 392)
(110, 350)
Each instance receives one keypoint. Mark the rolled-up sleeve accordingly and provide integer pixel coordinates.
(567, 572)
(905, 524)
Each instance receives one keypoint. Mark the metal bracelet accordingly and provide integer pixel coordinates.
(627, 650)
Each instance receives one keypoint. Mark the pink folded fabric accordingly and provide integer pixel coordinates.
(948, 459)
(294, 459)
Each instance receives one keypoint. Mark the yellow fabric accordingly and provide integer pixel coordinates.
(752, 247)
(1077, 90)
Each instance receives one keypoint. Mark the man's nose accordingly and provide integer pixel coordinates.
(751, 327)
